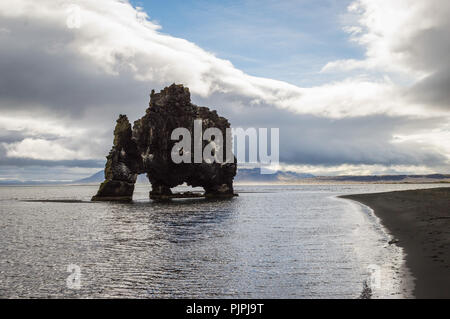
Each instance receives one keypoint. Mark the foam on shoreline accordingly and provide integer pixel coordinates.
(396, 280)
(419, 219)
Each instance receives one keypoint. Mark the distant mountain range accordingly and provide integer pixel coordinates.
(100, 177)
(243, 175)
(96, 178)
(431, 178)
(15, 182)
(254, 176)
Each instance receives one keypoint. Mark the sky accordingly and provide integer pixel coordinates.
(356, 87)
(283, 40)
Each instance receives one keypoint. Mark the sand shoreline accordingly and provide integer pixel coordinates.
(420, 221)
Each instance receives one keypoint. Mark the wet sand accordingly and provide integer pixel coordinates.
(420, 221)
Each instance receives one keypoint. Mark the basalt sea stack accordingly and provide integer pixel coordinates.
(146, 148)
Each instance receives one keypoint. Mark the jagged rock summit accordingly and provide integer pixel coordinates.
(146, 148)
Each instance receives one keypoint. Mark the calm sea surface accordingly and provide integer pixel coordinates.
(270, 242)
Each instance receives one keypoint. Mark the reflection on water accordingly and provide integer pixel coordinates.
(271, 241)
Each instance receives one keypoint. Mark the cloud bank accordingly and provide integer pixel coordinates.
(68, 68)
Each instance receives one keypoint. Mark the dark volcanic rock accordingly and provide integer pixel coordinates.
(146, 148)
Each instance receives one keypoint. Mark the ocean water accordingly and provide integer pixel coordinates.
(270, 242)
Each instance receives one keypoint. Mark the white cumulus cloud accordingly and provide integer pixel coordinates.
(63, 81)
(41, 149)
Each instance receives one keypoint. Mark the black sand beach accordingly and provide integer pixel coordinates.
(420, 221)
